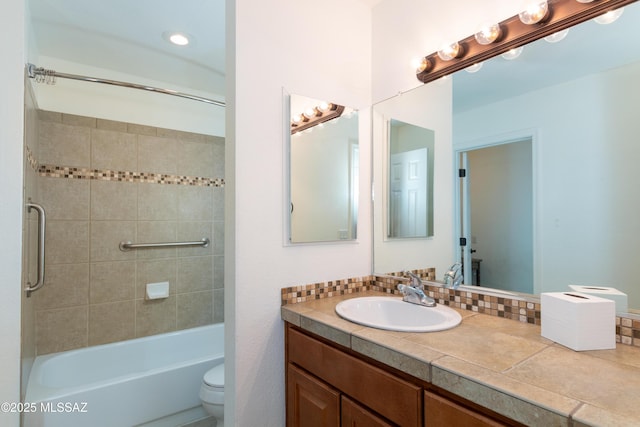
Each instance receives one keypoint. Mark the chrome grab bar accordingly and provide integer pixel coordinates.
(42, 222)
(127, 246)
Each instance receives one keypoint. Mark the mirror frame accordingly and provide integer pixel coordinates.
(562, 14)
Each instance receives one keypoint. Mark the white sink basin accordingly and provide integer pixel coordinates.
(393, 314)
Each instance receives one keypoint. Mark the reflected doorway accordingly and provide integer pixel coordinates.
(496, 190)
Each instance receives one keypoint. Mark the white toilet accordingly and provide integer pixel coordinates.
(212, 393)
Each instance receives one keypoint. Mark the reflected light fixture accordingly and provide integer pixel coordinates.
(314, 116)
(177, 38)
(488, 34)
(535, 12)
(513, 53)
(609, 17)
(556, 37)
(450, 51)
(474, 68)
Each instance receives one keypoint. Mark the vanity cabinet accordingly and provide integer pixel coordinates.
(328, 386)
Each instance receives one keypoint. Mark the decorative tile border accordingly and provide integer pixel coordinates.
(31, 159)
(514, 308)
(53, 171)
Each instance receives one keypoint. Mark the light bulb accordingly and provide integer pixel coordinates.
(534, 12)
(309, 113)
(450, 51)
(556, 37)
(424, 65)
(323, 106)
(488, 34)
(609, 17)
(513, 53)
(474, 68)
(296, 119)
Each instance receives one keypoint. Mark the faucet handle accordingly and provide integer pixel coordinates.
(416, 281)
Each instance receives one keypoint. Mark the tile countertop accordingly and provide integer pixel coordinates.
(501, 364)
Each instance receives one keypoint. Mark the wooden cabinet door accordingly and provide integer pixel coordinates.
(355, 415)
(439, 411)
(310, 402)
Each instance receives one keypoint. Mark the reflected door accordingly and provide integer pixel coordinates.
(408, 194)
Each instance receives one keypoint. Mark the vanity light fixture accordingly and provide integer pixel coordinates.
(450, 51)
(535, 12)
(314, 116)
(513, 53)
(556, 37)
(488, 34)
(540, 19)
(609, 17)
(474, 68)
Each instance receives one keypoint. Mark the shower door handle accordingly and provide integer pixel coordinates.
(42, 222)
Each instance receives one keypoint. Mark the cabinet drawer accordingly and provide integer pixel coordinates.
(354, 415)
(392, 397)
(439, 411)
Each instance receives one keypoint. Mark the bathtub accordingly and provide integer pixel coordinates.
(124, 383)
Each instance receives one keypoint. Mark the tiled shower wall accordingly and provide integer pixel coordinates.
(103, 182)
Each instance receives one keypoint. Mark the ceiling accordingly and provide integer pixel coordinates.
(127, 36)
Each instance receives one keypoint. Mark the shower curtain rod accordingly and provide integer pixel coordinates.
(42, 75)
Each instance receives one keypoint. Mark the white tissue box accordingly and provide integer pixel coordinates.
(620, 298)
(578, 321)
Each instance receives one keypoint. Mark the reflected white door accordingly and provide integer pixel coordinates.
(408, 194)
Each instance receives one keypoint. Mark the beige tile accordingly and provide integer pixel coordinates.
(218, 203)
(155, 316)
(156, 232)
(158, 155)
(517, 400)
(195, 274)
(75, 120)
(67, 242)
(153, 271)
(195, 231)
(111, 322)
(195, 159)
(218, 306)
(64, 145)
(111, 150)
(112, 281)
(195, 203)
(49, 116)
(141, 129)
(218, 272)
(195, 309)
(64, 198)
(617, 384)
(218, 157)
(66, 285)
(106, 237)
(218, 238)
(111, 125)
(62, 329)
(157, 202)
(113, 200)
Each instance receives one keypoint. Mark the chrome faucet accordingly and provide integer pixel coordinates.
(414, 292)
(453, 277)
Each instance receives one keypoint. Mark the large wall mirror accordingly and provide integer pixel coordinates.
(559, 119)
(323, 170)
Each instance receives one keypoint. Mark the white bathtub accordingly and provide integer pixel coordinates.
(125, 383)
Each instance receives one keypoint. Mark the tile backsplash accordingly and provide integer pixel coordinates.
(517, 308)
(104, 182)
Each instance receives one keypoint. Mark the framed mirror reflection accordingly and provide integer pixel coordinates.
(323, 157)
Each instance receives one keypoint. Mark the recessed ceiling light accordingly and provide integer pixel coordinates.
(177, 38)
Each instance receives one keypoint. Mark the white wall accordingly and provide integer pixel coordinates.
(11, 152)
(320, 50)
(587, 202)
(125, 104)
(430, 107)
(404, 30)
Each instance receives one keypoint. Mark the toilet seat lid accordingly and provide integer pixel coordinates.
(215, 376)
